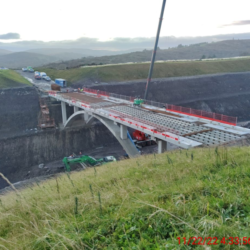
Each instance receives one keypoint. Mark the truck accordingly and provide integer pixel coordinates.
(55, 87)
(86, 161)
(43, 74)
(61, 82)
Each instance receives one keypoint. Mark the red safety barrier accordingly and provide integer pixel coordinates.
(182, 110)
(52, 93)
(203, 114)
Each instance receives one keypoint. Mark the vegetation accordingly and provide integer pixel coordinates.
(10, 79)
(126, 72)
(223, 49)
(143, 203)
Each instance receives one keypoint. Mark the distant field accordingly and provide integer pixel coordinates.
(136, 71)
(10, 79)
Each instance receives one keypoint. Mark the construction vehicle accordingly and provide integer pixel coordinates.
(141, 139)
(86, 161)
(55, 87)
(138, 102)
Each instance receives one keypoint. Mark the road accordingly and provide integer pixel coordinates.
(42, 84)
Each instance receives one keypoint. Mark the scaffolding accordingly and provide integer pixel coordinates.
(45, 121)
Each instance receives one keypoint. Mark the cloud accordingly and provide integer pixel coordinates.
(242, 22)
(10, 36)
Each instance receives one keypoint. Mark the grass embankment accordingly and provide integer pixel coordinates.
(117, 73)
(143, 203)
(10, 79)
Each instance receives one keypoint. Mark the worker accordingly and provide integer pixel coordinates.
(81, 90)
(78, 89)
(80, 153)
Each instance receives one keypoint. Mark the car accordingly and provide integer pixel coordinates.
(31, 70)
(47, 78)
(109, 159)
(24, 69)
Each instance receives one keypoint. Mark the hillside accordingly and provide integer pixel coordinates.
(224, 49)
(4, 52)
(127, 72)
(76, 52)
(10, 79)
(18, 60)
(39, 57)
(143, 203)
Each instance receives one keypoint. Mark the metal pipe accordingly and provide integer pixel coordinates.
(155, 49)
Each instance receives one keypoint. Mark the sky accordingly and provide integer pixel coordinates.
(56, 20)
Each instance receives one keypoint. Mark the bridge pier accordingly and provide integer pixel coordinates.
(76, 109)
(64, 113)
(123, 132)
(162, 146)
(86, 116)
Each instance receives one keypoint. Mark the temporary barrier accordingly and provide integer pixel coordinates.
(203, 114)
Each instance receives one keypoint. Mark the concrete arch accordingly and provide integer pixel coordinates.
(114, 128)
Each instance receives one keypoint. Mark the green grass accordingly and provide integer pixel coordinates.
(117, 73)
(143, 203)
(11, 79)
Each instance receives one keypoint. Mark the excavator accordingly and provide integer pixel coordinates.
(86, 161)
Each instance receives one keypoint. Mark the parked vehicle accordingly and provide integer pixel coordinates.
(37, 75)
(86, 161)
(24, 69)
(61, 82)
(47, 78)
(141, 139)
(43, 74)
(30, 69)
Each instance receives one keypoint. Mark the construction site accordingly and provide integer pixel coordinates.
(41, 127)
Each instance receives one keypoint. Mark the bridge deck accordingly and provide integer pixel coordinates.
(159, 119)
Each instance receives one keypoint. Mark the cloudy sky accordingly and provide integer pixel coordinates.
(55, 20)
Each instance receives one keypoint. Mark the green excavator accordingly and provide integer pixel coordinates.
(86, 161)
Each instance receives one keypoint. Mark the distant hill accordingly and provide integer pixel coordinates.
(22, 59)
(78, 52)
(10, 79)
(230, 48)
(39, 57)
(4, 52)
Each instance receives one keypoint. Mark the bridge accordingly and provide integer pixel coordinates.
(166, 124)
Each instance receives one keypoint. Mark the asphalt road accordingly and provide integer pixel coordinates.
(42, 84)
